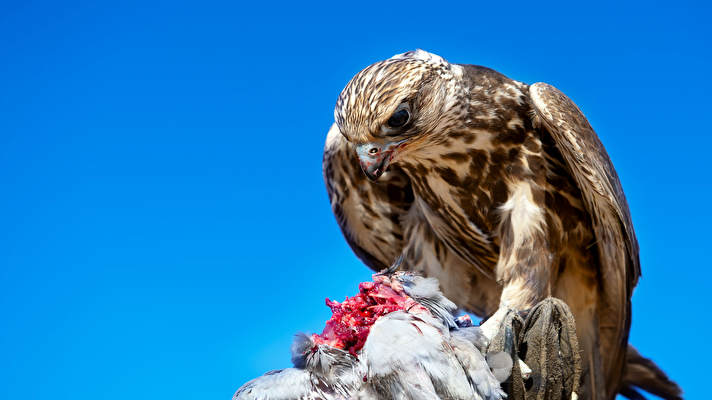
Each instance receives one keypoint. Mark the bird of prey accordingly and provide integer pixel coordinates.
(396, 339)
(499, 189)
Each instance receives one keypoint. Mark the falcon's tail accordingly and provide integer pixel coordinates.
(643, 373)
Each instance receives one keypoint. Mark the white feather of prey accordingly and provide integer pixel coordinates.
(407, 356)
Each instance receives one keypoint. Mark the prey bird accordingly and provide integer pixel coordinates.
(499, 189)
(396, 339)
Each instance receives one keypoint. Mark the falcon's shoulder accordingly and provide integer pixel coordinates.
(369, 213)
(591, 167)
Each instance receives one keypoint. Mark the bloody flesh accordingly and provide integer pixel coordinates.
(351, 320)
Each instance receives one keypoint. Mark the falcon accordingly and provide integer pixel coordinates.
(500, 190)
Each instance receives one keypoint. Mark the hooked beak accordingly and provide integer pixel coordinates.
(375, 158)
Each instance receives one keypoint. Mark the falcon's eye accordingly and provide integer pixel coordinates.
(399, 118)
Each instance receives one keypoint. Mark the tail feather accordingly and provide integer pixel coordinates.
(643, 373)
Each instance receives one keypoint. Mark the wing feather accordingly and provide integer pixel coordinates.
(605, 202)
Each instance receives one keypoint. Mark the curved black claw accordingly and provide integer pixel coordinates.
(393, 268)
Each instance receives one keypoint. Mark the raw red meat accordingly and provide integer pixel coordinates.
(351, 320)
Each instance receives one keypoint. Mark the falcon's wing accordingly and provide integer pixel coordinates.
(603, 196)
(369, 213)
(593, 170)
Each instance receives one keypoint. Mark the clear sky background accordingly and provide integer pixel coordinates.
(165, 227)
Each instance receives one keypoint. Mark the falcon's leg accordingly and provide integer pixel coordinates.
(525, 259)
(524, 266)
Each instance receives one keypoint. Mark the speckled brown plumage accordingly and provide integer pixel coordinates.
(499, 189)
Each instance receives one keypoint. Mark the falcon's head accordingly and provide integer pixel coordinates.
(399, 105)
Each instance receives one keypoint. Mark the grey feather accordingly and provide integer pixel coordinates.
(426, 291)
(301, 345)
(413, 350)
(501, 365)
(478, 370)
(474, 335)
(286, 384)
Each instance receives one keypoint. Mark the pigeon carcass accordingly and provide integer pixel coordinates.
(396, 339)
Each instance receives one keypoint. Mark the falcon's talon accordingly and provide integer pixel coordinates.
(393, 268)
(495, 324)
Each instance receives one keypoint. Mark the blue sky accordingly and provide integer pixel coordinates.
(165, 228)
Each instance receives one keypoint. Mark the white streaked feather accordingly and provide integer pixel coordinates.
(526, 216)
(422, 55)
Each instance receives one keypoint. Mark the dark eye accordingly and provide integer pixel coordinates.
(399, 118)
